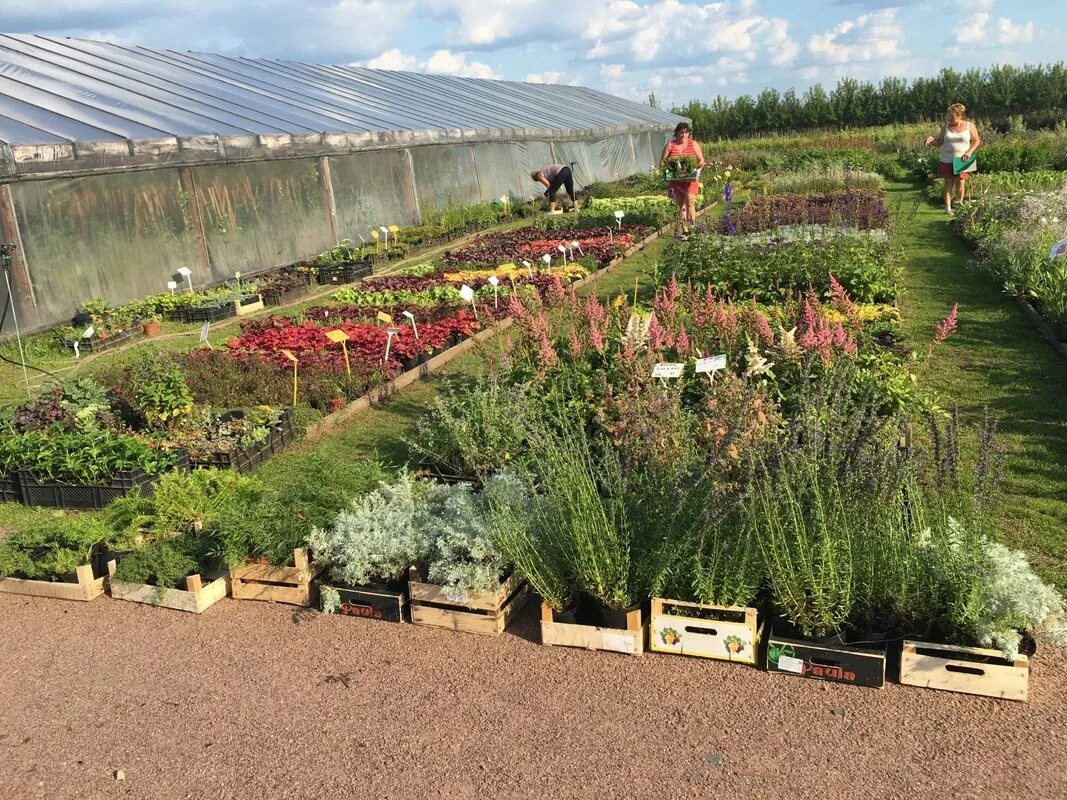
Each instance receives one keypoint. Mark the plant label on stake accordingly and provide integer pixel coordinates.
(390, 333)
(618, 218)
(377, 237)
(529, 268)
(667, 369)
(576, 245)
(172, 285)
(187, 273)
(385, 233)
(289, 355)
(563, 250)
(494, 281)
(710, 366)
(414, 327)
(203, 335)
(467, 293)
(340, 337)
(386, 318)
(547, 258)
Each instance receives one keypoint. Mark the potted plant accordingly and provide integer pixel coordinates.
(150, 325)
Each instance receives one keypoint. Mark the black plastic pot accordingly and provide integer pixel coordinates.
(614, 617)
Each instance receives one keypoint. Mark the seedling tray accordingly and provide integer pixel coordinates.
(837, 663)
(86, 586)
(196, 598)
(629, 640)
(694, 629)
(343, 273)
(487, 613)
(95, 344)
(279, 298)
(970, 670)
(10, 488)
(87, 497)
(292, 584)
(371, 602)
(207, 313)
(245, 459)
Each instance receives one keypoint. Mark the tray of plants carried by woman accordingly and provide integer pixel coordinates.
(681, 168)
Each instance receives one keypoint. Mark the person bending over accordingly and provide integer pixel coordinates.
(556, 176)
(958, 139)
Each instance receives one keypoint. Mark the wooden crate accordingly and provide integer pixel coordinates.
(369, 602)
(836, 663)
(87, 587)
(195, 598)
(629, 640)
(971, 670)
(293, 584)
(730, 633)
(487, 613)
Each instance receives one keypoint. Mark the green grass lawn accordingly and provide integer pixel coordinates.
(997, 360)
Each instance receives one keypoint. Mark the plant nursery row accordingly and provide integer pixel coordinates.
(747, 467)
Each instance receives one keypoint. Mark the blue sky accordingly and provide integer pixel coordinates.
(679, 50)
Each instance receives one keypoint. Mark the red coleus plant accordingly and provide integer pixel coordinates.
(366, 342)
(532, 243)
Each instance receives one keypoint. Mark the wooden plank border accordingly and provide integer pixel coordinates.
(87, 588)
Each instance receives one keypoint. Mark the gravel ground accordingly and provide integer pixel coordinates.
(253, 700)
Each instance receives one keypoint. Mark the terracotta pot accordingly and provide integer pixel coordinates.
(151, 328)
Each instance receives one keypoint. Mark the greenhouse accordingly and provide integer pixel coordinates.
(119, 165)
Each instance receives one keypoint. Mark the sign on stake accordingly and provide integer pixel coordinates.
(289, 355)
(340, 337)
(414, 327)
(710, 366)
(467, 293)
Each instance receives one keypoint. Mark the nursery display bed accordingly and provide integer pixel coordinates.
(487, 613)
(971, 670)
(280, 298)
(729, 633)
(292, 584)
(244, 459)
(248, 305)
(838, 663)
(196, 598)
(86, 586)
(629, 640)
(371, 602)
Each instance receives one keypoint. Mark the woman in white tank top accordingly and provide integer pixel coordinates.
(958, 139)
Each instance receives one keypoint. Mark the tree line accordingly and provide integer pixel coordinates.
(1037, 93)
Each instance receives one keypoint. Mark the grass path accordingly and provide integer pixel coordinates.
(996, 360)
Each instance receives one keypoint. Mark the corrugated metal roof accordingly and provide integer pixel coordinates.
(64, 99)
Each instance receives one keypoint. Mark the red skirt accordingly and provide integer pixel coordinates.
(682, 188)
(944, 170)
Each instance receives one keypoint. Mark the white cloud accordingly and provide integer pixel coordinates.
(971, 6)
(547, 77)
(1009, 33)
(393, 59)
(871, 37)
(974, 31)
(442, 62)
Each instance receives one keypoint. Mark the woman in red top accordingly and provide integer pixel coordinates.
(684, 193)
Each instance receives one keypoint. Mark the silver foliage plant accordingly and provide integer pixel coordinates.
(414, 522)
(1016, 599)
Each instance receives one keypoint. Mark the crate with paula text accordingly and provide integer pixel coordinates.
(970, 670)
(383, 603)
(838, 663)
(729, 633)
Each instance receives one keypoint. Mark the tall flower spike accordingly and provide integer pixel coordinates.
(947, 326)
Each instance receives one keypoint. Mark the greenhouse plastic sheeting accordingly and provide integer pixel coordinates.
(372, 189)
(617, 157)
(530, 156)
(262, 214)
(498, 172)
(445, 174)
(118, 237)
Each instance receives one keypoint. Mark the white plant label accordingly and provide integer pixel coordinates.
(203, 331)
(712, 364)
(1058, 249)
(88, 332)
(466, 293)
(618, 643)
(790, 664)
(667, 370)
(494, 280)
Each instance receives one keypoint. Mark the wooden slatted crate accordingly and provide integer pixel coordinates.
(196, 598)
(487, 613)
(292, 584)
(971, 670)
(730, 633)
(86, 588)
(629, 640)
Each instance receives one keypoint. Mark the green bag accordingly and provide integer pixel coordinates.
(965, 164)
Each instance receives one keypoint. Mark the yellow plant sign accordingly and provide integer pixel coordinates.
(337, 336)
(386, 318)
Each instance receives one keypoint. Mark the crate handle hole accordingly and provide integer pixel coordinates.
(824, 662)
(965, 670)
(699, 629)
